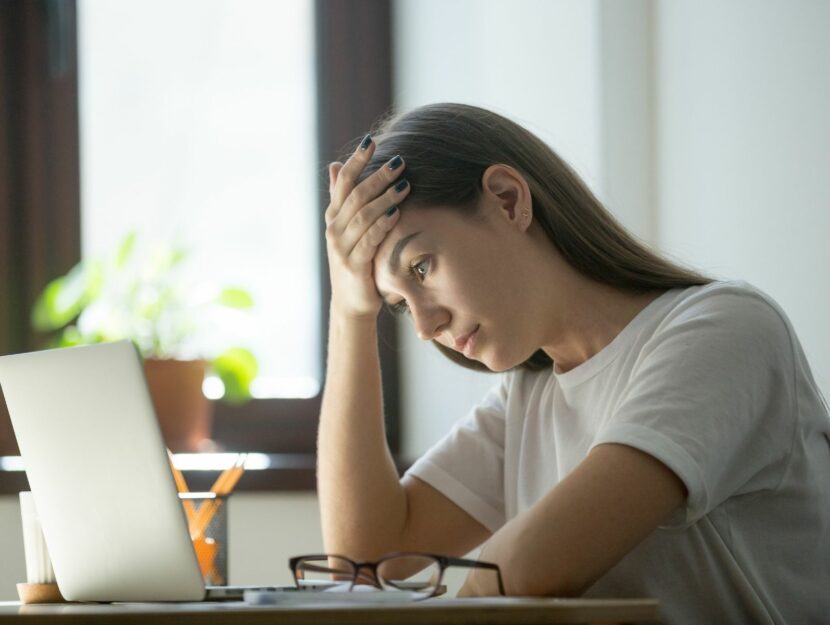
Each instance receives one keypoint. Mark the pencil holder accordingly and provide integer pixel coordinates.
(207, 518)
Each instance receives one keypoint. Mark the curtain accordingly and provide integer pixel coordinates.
(39, 165)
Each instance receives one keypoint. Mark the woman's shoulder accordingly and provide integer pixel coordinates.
(728, 312)
(733, 300)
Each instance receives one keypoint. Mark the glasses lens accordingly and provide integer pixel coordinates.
(416, 573)
(321, 570)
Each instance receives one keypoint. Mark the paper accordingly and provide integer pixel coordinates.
(339, 594)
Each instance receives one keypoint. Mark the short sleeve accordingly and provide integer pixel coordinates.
(711, 396)
(467, 465)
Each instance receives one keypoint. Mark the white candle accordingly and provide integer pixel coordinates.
(38, 564)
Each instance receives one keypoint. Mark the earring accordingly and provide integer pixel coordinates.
(525, 213)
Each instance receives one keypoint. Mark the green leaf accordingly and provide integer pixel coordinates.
(235, 298)
(70, 337)
(177, 255)
(62, 300)
(236, 367)
(94, 277)
(125, 250)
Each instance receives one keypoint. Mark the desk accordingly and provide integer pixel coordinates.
(490, 611)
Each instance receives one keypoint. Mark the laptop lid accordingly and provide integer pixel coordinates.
(99, 474)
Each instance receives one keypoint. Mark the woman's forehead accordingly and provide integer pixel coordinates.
(433, 224)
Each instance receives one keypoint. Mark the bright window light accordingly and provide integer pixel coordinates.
(198, 128)
(219, 462)
(188, 462)
(11, 463)
(213, 388)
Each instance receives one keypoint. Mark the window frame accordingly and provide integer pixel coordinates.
(40, 227)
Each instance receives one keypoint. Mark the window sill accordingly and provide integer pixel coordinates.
(284, 472)
(277, 473)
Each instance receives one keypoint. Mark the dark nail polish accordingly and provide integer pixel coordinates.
(401, 185)
(395, 162)
(391, 211)
(366, 141)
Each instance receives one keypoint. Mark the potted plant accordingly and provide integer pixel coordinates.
(144, 297)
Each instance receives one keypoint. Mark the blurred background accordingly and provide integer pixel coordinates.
(162, 178)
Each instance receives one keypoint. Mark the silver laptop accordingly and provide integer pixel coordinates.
(99, 474)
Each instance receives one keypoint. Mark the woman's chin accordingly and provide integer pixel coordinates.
(498, 363)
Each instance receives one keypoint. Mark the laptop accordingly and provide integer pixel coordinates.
(100, 476)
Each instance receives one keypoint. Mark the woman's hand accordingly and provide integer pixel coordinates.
(358, 218)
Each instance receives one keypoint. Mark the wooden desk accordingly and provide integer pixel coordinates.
(497, 611)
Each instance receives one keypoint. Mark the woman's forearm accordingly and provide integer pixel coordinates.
(362, 503)
(587, 523)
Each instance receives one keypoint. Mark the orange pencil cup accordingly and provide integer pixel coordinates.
(207, 518)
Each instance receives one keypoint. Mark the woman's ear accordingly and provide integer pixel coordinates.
(508, 192)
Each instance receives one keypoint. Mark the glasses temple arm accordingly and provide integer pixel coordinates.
(479, 565)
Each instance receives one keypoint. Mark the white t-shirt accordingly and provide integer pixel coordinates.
(712, 381)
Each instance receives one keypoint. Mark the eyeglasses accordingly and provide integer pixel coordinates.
(421, 573)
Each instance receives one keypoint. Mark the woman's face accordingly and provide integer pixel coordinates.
(463, 280)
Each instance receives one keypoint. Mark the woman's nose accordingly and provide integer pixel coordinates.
(429, 320)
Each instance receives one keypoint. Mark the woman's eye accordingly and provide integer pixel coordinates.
(420, 270)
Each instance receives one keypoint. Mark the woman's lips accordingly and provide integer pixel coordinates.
(466, 344)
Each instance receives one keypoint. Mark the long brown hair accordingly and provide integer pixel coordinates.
(447, 147)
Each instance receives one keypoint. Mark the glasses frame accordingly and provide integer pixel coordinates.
(444, 562)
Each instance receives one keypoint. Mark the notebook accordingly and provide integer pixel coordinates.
(100, 478)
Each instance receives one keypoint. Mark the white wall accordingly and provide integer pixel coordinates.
(743, 129)
(12, 567)
(626, 112)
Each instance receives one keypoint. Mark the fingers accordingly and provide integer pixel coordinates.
(348, 174)
(369, 189)
(380, 209)
(332, 209)
(360, 252)
(359, 216)
(367, 246)
(332, 169)
(347, 197)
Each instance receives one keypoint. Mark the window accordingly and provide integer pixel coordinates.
(206, 138)
(343, 71)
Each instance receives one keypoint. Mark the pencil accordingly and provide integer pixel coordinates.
(222, 487)
(181, 486)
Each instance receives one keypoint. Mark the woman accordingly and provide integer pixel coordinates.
(656, 433)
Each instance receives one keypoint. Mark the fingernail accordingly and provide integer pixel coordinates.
(366, 141)
(391, 211)
(395, 162)
(401, 185)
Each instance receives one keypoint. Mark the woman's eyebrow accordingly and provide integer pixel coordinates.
(395, 257)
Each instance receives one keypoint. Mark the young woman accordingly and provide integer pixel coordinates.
(655, 433)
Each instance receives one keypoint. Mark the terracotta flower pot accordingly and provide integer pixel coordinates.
(184, 413)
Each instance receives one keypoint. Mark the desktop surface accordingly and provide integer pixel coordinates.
(490, 611)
